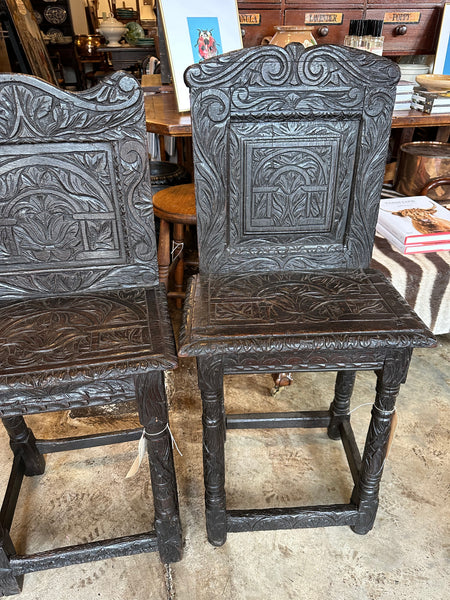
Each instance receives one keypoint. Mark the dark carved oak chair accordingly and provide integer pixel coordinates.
(289, 155)
(83, 318)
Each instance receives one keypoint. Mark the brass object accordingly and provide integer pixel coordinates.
(87, 44)
(419, 163)
(285, 34)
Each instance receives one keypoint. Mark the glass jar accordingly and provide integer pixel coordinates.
(285, 34)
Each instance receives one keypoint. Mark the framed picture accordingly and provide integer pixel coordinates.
(442, 60)
(196, 30)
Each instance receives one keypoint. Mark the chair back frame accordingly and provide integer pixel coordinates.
(289, 154)
(75, 200)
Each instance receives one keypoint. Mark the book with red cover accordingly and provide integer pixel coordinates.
(412, 248)
(414, 220)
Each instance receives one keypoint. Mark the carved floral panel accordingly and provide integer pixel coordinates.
(50, 333)
(291, 186)
(289, 154)
(58, 207)
(291, 311)
(75, 200)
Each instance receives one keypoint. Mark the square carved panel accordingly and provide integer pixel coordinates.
(58, 206)
(291, 183)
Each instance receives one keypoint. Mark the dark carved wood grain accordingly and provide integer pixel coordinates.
(289, 156)
(153, 416)
(8, 582)
(210, 381)
(81, 553)
(311, 126)
(291, 518)
(340, 407)
(23, 444)
(297, 311)
(63, 208)
(389, 378)
(83, 319)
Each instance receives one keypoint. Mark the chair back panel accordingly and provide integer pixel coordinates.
(289, 155)
(75, 200)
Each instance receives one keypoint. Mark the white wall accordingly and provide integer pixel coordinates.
(78, 13)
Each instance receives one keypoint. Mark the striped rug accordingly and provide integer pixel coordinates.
(422, 279)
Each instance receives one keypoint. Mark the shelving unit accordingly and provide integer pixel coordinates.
(410, 28)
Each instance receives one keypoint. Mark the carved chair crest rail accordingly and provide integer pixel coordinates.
(289, 155)
(83, 319)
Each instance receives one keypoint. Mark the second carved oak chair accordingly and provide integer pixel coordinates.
(289, 157)
(83, 319)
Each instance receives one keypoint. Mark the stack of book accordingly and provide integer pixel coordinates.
(430, 102)
(414, 224)
(403, 95)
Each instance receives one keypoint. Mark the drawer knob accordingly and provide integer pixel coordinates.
(323, 31)
(243, 32)
(400, 30)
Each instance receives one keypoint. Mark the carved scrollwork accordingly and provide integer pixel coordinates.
(260, 144)
(299, 312)
(291, 518)
(38, 111)
(75, 199)
(73, 395)
(49, 341)
(288, 104)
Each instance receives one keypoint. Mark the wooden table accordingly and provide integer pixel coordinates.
(163, 118)
(127, 56)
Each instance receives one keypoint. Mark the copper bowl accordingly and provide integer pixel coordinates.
(87, 44)
(419, 163)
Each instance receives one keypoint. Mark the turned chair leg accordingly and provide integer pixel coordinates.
(210, 379)
(340, 407)
(178, 254)
(152, 406)
(164, 252)
(23, 444)
(365, 493)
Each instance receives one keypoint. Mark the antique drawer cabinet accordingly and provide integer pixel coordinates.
(410, 28)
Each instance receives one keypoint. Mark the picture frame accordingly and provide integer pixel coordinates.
(442, 59)
(195, 30)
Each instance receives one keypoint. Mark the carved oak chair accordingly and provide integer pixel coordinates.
(289, 156)
(82, 315)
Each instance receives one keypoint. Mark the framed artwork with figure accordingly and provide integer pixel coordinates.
(195, 30)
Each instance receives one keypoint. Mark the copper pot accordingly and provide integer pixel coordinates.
(87, 44)
(419, 163)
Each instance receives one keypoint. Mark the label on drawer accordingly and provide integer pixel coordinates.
(250, 19)
(402, 17)
(319, 18)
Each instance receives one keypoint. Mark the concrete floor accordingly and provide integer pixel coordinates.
(85, 496)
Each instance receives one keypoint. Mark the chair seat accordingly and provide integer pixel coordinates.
(176, 204)
(245, 313)
(77, 338)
